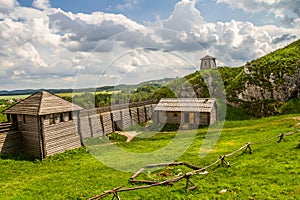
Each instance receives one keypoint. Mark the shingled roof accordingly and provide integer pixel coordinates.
(186, 104)
(207, 57)
(42, 103)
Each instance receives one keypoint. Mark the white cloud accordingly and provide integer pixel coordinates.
(41, 4)
(287, 10)
(45, 47)
(128, 5)
(6, 5)
(184, 17)
(28, 53)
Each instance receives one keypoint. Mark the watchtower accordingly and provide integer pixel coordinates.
(208, 62)
(47, 124)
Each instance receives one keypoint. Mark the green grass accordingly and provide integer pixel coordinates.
(14, 97)
(271, 172)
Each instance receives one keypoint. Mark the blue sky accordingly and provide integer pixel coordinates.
(146, 10)
(91, 43)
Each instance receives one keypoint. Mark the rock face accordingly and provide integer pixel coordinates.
(269, 88)
(263, 89)
(267, 83)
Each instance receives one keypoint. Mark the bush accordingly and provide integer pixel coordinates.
(290, 107)
(115, 137)
(170, 127)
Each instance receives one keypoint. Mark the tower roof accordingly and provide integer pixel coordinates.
(42, 103)
(207, 57)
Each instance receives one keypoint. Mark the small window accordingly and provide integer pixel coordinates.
(24, 119)
(175, 114)
(56, 118)
(51, 119)
(70, 116)
(14, 118)
(61, 115)
(9, 118)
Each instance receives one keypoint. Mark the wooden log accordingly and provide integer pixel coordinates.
(137, 173)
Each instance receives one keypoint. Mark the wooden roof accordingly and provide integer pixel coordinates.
(207, 58)
(186, 104)
(42, 103)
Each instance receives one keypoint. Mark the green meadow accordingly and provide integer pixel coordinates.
(270, 172)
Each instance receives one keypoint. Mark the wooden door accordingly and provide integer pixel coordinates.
(192, 118)
(186, 117)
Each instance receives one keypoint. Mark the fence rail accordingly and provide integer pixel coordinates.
(187, 175)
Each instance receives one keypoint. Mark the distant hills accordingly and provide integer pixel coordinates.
(99, 89)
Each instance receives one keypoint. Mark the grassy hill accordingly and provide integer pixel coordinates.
(260, 88)
(271, 172)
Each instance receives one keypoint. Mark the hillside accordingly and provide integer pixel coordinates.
(259, 88)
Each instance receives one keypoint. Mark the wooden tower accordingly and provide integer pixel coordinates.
(208, 62)
(46, 123)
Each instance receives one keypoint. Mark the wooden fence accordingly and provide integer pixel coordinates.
(104, 120)
(197, 170)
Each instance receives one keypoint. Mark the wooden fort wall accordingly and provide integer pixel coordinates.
(10, 138)
(43, 136)
(101, 121)
(59, 136)
(28, 126)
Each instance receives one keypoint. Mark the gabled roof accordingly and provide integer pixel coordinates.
(42, 103)
(186, 104)
(207, 58)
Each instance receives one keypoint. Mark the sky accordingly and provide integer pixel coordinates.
(93, 43)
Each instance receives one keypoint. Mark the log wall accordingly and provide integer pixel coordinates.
(202, 119)
(28, 126)
(60, 137)
(100, 121)
(10, 138)
(126, 118)
(43, 136)
(60, 133)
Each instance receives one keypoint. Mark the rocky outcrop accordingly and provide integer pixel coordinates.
(270, 88)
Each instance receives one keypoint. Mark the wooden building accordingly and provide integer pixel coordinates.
(190, 111)
(208, 62)
(46, 124)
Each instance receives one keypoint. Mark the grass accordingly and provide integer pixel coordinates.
(14, 97)
(271, 172)
(66, 94)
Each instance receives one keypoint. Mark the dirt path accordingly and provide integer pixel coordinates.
(130, 135)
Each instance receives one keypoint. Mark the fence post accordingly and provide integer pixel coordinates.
(101, 121)
(112, 122)
(90, 125)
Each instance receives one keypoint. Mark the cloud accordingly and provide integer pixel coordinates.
(47, 47)
(287, 10)
(8, 4)
(41, 4)
(128, 5)
(29, 54)
(284, 37)
(82, 33)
